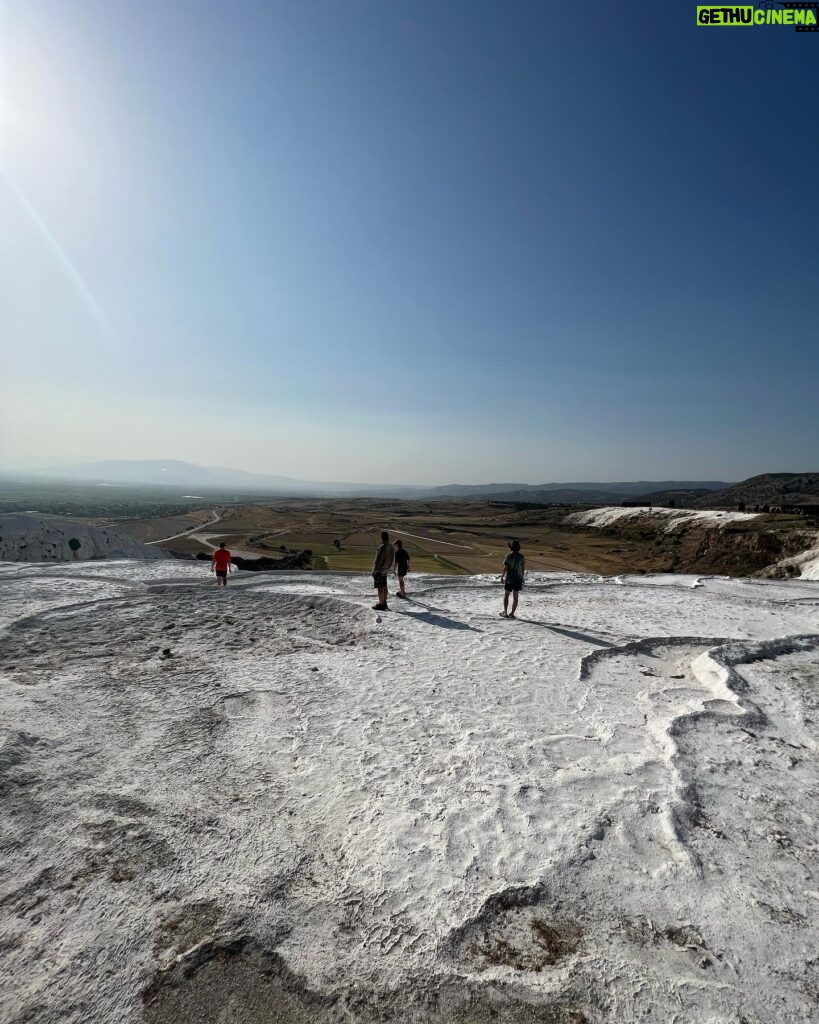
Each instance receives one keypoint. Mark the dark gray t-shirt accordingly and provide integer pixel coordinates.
(514, 564)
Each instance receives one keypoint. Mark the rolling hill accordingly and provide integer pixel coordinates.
(766, 489)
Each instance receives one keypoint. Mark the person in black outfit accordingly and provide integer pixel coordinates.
(514, 569)
(402, 559)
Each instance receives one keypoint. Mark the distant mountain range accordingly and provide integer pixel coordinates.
(174, 473)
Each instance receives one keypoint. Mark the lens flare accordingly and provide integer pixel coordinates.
(75, 278)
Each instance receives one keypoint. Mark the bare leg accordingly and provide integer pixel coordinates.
(382, 595)
(401, 585)
(514, 602)
(506, 602)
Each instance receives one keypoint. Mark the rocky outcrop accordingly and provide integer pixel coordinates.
(687, 541)
(803, 565)
(734, 552)
(33, 537)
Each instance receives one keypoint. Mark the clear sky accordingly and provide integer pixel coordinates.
(409, 241)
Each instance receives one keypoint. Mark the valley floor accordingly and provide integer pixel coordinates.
(271, 804)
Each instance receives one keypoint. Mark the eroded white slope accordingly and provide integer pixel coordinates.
(671, 517)
(604, 811)
(34, 537)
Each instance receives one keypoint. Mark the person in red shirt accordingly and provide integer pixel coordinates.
(221, 565)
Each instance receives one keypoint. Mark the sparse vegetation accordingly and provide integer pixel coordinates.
(452, 537)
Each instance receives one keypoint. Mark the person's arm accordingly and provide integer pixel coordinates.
(523, 566)
(503, 573)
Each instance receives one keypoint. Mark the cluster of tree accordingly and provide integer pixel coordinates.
(297, 560)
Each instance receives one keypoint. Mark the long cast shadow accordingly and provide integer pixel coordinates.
(585, 638)
(434, 618)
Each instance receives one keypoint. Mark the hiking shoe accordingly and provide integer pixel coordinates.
(503, 615)
(380, 608)
(402, 596)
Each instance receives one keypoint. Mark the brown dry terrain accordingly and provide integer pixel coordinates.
(461, 537)
(456, 537)
(150, 530)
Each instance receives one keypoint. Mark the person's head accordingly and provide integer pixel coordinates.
(385, 536)
(515, 545)
(399, 543)
(222, 545)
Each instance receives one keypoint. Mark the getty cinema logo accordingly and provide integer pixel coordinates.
(802, 15)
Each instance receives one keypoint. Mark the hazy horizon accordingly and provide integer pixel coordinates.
(462, 242)
(42, 465)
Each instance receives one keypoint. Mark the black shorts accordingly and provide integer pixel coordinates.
(379, 579)
(513, 583)
(221, 574)
(401, 574)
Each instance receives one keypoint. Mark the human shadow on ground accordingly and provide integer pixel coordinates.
(586, 638)
(434, 618)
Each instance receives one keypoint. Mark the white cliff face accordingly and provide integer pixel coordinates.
(668, 518)
(33, 537)
(271, 803)
(810, 566)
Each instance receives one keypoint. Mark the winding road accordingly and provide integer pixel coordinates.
(215, 518)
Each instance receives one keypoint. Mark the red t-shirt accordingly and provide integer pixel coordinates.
(221, 559)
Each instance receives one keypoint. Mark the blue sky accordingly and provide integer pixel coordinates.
(418, 242)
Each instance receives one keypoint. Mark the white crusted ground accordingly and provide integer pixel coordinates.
(605, 811)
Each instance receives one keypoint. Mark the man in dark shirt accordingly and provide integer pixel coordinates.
(381, 566)
(402, 559)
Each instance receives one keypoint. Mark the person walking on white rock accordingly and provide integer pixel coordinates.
(221, 565)
(381, 566)
(402, 560)
(514, 568)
